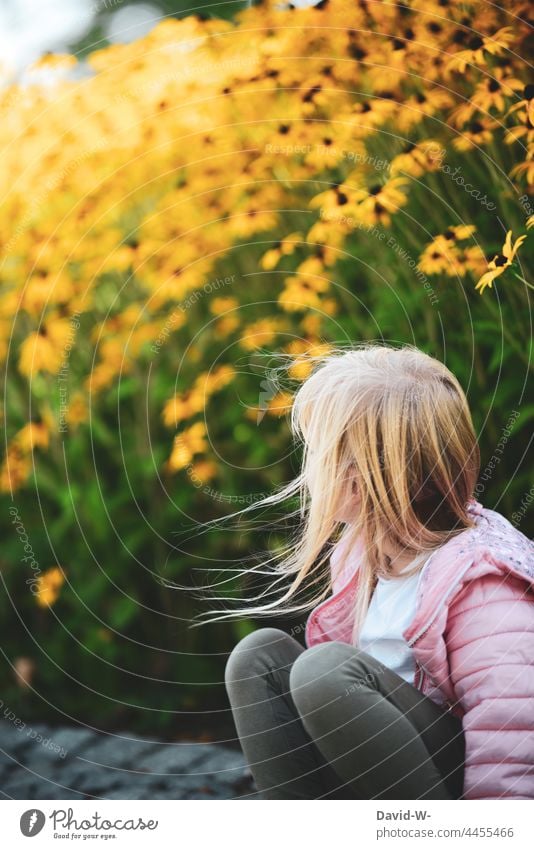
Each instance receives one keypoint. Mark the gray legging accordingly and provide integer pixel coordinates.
(332, 722)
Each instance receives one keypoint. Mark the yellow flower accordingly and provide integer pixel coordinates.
(493, 89)
(187, 443)
(374, 204)
(222, 305)
(279, 404)
(443, 255)
(416, 107)
(203, 471)
(436, 258)
(328, 236)
(183, 406)
(261, 332)
(525, 168)
(43, 289)
(330, 306)
(54, 61)
(304, 350)
(500, 262)
(46, 349)
(473, 54)
(37, 353)
(32, 435)
(472, 259)
(525, 110)
(217, 379)
(270, 259)
(297, 346)
(416, 159)
(49, 585)
(77, 411)
(226, 325)
(311, 324)
(15, 470)
(192, 401)
(301, 294)
(287, 246)
(300, 369)
(475, 134)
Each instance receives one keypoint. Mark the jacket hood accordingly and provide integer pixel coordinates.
(492, 546)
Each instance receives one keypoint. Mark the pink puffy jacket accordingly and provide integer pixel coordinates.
(473, 643)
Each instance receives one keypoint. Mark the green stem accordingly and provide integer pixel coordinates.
(508, 335)
(530, 286)
(428, 313)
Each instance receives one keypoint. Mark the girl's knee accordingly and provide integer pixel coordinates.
(253, 648)
(317, 673)
(327, 672)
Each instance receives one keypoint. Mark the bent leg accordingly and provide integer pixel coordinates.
(382, 736)
(282, 757)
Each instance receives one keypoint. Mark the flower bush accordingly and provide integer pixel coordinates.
(174, 209)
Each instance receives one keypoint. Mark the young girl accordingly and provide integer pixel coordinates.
(416, 681)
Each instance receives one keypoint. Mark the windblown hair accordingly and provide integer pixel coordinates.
(397, 423)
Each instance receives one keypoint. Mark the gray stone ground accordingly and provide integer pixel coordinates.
(77, 763)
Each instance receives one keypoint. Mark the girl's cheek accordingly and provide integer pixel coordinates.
(349, 506)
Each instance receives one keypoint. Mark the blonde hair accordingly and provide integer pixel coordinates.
(396, 421)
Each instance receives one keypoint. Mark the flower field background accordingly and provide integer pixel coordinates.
(176, 212)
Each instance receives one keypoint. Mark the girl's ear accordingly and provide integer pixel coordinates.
(354, 484)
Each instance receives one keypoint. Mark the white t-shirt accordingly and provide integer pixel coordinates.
(391, 610)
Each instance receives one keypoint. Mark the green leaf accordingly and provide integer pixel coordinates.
(128, 386)
(242, 627)
(102, 433)
(526, 414)
(122, 612)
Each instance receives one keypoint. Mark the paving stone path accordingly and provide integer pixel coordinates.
(77, 763)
